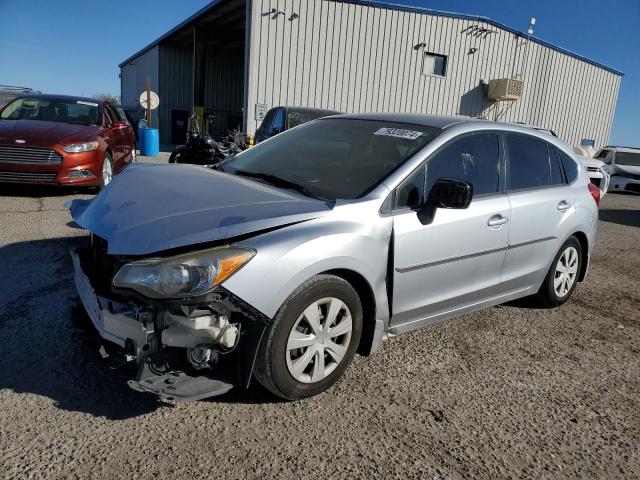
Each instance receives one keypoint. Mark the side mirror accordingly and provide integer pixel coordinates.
(446, 193)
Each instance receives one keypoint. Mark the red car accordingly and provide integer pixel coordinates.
(61, 140)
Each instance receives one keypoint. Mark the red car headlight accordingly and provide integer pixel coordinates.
(81, 147)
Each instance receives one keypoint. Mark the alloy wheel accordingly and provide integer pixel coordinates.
(566, 272)
(319, 340)
(107, 172)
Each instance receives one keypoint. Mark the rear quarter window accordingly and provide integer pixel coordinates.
(528, 163)
(570, 166)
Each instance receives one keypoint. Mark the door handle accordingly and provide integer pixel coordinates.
(562, 206)
(497, 220)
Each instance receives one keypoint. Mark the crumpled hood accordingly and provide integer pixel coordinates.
(150, 208)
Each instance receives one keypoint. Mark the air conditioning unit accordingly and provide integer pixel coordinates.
(505, 89)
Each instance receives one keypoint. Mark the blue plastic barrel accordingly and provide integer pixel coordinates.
(149, 142)
(142, 124)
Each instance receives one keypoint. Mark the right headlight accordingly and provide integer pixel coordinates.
(184, 275)
(81, 147)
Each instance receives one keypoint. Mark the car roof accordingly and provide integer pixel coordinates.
(444, 122)
(436, 121)
(67, 98)
(310, 110)
(623, 149)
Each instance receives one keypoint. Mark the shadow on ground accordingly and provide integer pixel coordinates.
(630, 218)
(39, 191)
(49, 346)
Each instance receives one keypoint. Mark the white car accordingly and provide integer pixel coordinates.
(623, 165)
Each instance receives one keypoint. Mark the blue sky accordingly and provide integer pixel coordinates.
(76, 47)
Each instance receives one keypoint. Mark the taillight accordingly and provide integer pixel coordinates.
(595, 193)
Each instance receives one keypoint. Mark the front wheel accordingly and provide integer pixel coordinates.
(312, 339)
(174, 157)
(563, 275)
(107, 171)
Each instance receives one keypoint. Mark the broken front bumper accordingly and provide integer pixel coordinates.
(162, 369)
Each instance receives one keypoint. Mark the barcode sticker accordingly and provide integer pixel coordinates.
(399, 133)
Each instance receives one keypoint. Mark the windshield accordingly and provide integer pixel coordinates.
(333, 158)
(45, 109)
(628, 158)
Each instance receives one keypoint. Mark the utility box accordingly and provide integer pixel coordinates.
(505, 89)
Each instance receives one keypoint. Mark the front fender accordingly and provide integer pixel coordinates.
(286, 258)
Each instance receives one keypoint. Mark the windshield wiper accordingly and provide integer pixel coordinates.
(278, 182)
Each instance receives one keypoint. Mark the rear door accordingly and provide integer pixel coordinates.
(541, 210)
(113, 136)
(453, 263)
(128, 135)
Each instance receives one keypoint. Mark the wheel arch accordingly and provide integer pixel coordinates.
(367, 298)
(584, 247)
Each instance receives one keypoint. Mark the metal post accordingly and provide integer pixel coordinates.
(148, 102)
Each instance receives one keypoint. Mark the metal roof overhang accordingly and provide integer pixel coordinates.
(224, 13)
(207, 10)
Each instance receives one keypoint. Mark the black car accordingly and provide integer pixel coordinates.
(279, 119)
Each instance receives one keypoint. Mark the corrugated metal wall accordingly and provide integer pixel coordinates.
(357, 58)
(176, 84)
(224, 93)
(133, 79)
(224, 87)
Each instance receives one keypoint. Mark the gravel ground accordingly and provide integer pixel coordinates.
(509, 392)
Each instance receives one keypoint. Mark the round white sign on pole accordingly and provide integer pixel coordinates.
(153, 97)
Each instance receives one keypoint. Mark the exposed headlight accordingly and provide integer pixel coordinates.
(182, 276)
(81, 147)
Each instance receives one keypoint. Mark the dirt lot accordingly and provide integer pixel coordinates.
(509, 392)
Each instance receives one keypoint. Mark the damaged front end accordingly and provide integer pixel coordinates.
(188, 339)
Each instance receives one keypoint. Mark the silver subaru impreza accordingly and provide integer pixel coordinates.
(283, 262)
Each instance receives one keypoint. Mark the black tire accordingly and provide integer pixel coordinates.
(174, 157)
(271, 363)
(547, 296)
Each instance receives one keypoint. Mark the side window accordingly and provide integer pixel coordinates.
(108, 116)
(278, 122)
(411, 193)
(556, 170)
(434, 64)
(528, 163)
(473, 158)
(570, 166)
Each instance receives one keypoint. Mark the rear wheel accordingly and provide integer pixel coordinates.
(562, 277)
(312, 339)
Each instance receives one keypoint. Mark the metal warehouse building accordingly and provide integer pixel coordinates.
(237, 58)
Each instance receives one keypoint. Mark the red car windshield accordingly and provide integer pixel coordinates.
(78, 112)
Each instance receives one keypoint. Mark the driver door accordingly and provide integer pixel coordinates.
(453, 263)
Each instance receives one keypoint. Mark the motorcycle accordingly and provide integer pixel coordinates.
(200, 148)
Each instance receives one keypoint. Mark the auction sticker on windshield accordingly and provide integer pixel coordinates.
(398, 132)
(91, 104)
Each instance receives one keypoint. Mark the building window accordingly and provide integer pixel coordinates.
(434, 64)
